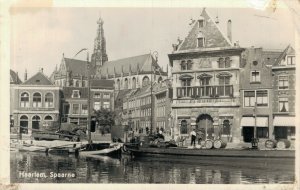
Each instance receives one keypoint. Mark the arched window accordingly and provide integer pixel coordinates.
(221, 63)
(49, 100)
(159, 79)
(24, 100)
(24, 124)
(36, 122)
(226, 127)
(48, 118)
(37, 100)
(118, 85)
(189, 65)
(183, 65)
(145, 81)
(126, 83)
(133, 83)
(183, 127)
(227, 62)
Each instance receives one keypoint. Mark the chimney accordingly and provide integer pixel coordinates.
(217, 20)
(41, 70)
(25, 75)
(229, 30)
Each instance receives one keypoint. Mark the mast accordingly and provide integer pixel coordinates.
(89, 100)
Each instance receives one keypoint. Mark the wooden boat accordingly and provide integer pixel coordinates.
(113, 149)
(145, 149)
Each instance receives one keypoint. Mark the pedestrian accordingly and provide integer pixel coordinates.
(200, 136)
(193, 136)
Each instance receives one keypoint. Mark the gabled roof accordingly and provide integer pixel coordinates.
(38, 79)
(102, 83)
(210, 31)
(136, 64)
(289, 50)
(78, 67)
(14, 78)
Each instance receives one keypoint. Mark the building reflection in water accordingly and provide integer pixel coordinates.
(149, 170)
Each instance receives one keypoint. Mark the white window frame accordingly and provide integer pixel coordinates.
(255, 77)
(288, 82)
(255, 98)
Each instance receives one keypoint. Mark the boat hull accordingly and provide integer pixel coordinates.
(249, 153)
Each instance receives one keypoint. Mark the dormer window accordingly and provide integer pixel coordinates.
(75, 94)
(201, 23)
(291, 60)
(200, 40)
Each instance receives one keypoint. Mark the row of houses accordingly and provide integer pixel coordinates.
(213, 85)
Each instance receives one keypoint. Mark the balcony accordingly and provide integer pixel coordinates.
(196, 92)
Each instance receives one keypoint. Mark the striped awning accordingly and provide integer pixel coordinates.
(284, 121)
(250, 121)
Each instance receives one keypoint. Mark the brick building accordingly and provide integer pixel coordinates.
(256, 88)
(284, 88)
(35, 103)
(206, 81)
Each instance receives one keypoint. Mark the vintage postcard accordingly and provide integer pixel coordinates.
(129, 94)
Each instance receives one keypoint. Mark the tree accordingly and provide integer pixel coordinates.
(105, 118)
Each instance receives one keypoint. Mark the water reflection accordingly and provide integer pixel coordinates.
(151, 170)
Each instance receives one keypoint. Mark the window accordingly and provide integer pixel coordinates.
(84, 109)
(200, 42)
(183, 65)
(97, 105)
(84, 84)
(118, 85)
(205, 90)
(224, 89)
(226, 127)
(201, 23)
(283, 105)
(283, 82)
(37, 100)
(76, 109)
(126, 83)
(145, 81)
(24, 124)
(24, 100)
(249, 98)
(66, 109)
(75, 94)
(133, 83)
(186, 90)
(262, 132)
(262, 98)
(36, 122)
(106, 95)
(49, 100)
(189, 65)
(97, 95)
(224, 63)
(291, 60)
(183, 127)
(255, 76)
(77, 83)
(48, 118)
(106, 105)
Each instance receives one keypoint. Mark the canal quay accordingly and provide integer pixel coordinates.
(196, 99)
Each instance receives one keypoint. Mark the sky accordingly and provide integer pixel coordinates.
(40, 36)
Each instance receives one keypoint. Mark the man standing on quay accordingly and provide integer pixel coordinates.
(193, 135)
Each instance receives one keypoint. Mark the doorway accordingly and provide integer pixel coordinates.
(205, 124)
(248, 133)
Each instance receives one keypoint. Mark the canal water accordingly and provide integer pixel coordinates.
(41, 168)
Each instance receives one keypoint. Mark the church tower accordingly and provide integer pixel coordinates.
(99, 56)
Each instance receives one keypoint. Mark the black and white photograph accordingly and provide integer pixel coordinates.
(184, 93)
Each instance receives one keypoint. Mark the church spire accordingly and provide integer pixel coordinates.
(99, 56)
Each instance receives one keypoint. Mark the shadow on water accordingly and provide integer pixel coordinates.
(182, 170)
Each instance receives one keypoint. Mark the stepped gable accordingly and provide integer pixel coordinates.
(38, 79)
(210, 31)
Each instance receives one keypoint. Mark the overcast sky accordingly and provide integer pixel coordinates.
(41, 36)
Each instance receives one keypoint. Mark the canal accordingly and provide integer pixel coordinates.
(41, 168)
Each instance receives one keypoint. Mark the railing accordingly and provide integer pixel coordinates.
(205, 91)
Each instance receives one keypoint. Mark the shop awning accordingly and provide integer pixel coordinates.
(250, 121)
(284, 121)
